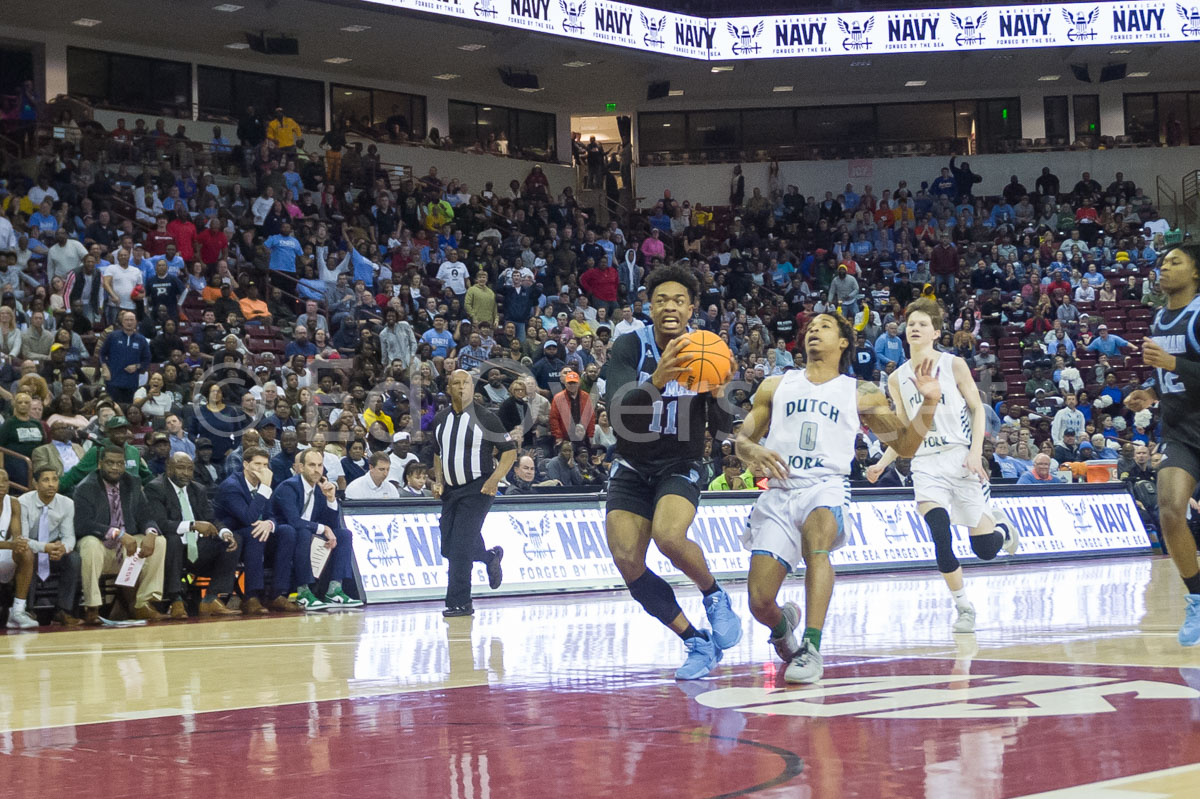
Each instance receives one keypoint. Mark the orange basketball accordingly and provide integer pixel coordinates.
(708, 361)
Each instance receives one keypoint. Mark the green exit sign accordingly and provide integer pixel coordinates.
(610, 107)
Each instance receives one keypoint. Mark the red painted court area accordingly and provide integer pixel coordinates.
(884, 728)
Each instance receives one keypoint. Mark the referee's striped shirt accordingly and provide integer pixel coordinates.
(467, 443)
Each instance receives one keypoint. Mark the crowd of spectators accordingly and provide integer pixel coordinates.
(153, 308)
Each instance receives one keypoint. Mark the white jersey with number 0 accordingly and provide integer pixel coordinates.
(813, 426)
(952, 419)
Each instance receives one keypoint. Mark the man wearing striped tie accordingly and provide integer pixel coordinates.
(466, 476)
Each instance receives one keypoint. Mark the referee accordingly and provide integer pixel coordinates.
(466, 477)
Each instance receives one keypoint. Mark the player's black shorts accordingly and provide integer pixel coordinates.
(1180, 454)
(630, 490)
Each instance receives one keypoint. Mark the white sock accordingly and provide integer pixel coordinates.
(960, 598)
(18, 605)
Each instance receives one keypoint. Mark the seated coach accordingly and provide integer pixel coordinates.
(181, 509)
(308, 503)
(243, 504)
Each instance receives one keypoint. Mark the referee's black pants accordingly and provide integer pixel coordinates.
(463, 511)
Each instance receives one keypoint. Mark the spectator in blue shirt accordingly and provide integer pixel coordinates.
(125, 354)
(1106, 344)
(220, 145)
(1040, 474)
(944, 185)
(43, 220)
(1002, 214)
(439, 338)
(850, 198)
(300, 345)
(889, 348)
(284, 249)
(174, 261)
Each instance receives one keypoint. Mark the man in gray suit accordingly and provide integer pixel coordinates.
(48, 522)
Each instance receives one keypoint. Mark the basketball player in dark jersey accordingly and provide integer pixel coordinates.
(653, 489)
(1174, 351)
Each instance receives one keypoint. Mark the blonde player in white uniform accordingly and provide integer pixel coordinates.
(949, 480)
(807, 421)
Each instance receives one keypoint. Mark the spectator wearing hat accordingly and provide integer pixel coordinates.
(1107, 344)
(158, 451)
(268, 429)
(206, 473)
(117, 432)
(548, 369)
(400, 456)
(124, 356)
(572, 415)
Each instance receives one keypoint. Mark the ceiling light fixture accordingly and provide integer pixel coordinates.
(723, 68)
(1138, 75)
(1050, 77)
(675, 93)
(577, 64)
(666, 124)
(237, 46)
(914, 83)
(337, 60)
(1120, 52)
(356, 28)
(446, 76)
(470, 48)
(228, 8)
(532, 90)
(860, 63)
(86, 22)
(783, 88)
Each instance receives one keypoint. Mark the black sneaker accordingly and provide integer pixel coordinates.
(494, 572)
(465, 610)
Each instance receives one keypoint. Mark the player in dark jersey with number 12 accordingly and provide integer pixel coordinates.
(653, 490)
(1174, 351)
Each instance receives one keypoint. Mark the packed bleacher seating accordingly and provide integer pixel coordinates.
(247, 301)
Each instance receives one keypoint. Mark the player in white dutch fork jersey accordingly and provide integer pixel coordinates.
(949, 480)
(807, 421)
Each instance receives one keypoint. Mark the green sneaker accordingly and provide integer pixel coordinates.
(308, 600)
(338, 598)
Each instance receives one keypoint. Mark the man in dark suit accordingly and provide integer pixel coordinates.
(111, 515)
(308, 503)
(243, 504)
(181, 508)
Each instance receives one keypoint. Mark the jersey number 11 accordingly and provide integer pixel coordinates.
(656, 423)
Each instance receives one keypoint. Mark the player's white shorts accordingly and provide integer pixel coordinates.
(779, 514)
(8, 567)
(942, 479)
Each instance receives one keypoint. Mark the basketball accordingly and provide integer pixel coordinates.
(707, 358)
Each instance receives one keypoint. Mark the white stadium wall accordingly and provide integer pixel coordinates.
(709, 184)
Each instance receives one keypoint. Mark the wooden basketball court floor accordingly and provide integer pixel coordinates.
(1073, 687)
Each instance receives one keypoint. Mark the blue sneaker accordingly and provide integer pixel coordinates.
(726, 626)
(1189, 633)
(703, 656)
